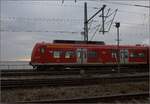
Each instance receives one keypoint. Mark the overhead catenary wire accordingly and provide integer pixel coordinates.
(111, 21)
(133, 12)
(46, 4)
(46, 31)
(42, 19)
(91, 28)
(98, 26)
(115, 12)
(136, 5)
(56, 20)
(126, 4)
(80, 6)
(124, 23)
(66, 5)
(130, 12)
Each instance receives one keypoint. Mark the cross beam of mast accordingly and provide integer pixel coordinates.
(86, 21)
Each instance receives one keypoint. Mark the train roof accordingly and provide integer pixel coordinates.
(79, 42)
(70, 45)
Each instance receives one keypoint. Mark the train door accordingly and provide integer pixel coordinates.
(81, 56)
(84, 53)
(42, 53)
(124, 56)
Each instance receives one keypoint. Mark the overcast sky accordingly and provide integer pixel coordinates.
(23, 23)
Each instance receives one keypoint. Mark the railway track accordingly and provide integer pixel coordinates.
(73, 80)
(76, 71)
(118, 98)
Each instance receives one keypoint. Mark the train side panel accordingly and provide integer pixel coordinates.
(46, 54)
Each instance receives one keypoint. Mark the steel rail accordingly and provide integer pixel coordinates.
(37, 73)
(87, 66)
(12, 73)
(73, 80)
(97, 99)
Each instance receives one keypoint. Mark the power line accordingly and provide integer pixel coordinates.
(47, 31)
(41, 19)
(136, 5)
(132, 12)
(62, 1)
(54, 20)
(45, 19)
(41, 3)
(65, 5)
(100, 28)
(79, 6)
(52, 0)
(131, 23)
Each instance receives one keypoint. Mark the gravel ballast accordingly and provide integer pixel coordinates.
(48, 93)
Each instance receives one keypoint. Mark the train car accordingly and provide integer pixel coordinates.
(83, 54)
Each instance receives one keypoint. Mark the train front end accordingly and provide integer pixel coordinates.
(38, 55)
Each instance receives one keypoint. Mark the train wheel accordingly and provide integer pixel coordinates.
(40, 68)
(84, 73)
(34, 67)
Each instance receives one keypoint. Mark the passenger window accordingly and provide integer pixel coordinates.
(56, 54)
(42, 50)
(69, 54)
(132, 55)
(141, 55)
(92, 54)
(137, 55)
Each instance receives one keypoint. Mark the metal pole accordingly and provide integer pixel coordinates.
(85, 23)
(103, 21)
(118, 50)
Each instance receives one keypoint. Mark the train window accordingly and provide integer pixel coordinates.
(141, 55)
(56, 54)
(42, 50)
(69, 54)
(92, 54)
(137, 55)
(133, 55)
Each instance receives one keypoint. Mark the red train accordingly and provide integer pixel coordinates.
(79, 54)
